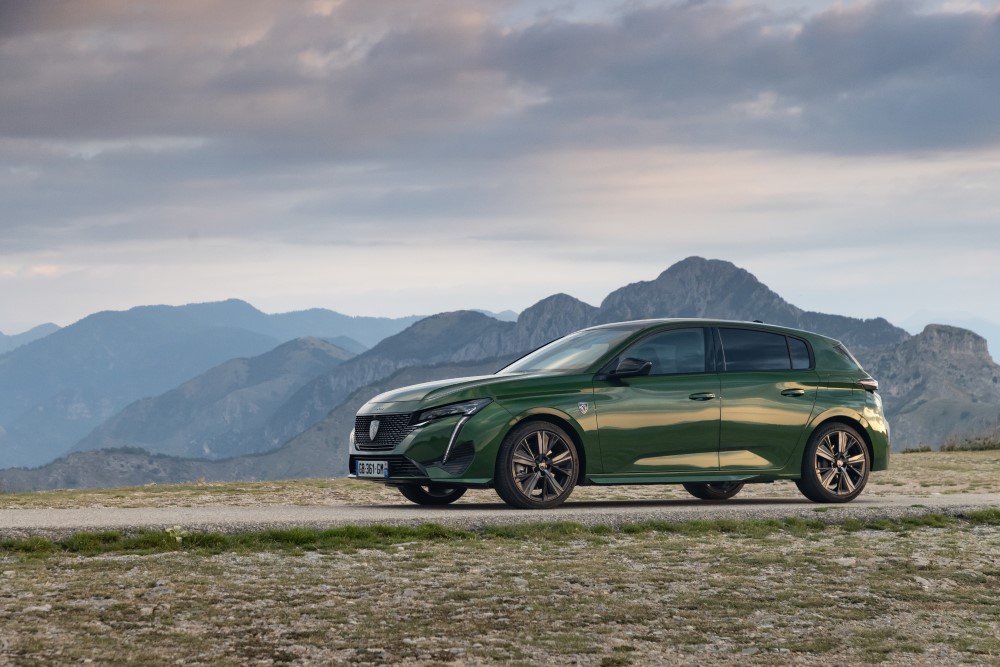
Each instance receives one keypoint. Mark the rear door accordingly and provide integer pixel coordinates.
(768, 393)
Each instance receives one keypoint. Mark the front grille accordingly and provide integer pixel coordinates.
(399, 466)
(391, 431)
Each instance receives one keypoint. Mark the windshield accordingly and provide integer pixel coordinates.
(571, 354)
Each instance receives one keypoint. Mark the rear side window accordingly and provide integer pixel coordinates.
(749, 350)
(799, 352)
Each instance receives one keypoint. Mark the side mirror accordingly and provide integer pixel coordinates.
(631, 367)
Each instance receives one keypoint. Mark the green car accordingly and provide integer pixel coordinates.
(708, 404)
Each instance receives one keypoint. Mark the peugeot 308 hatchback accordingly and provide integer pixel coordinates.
(709, 404)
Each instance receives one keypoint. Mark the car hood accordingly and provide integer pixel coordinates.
(440, 392)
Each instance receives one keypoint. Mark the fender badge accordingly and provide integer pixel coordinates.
(373, 430)
(584, 408)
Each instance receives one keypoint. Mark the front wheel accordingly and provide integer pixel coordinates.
(432, 494)
(537, 466)
(835, 465)
(713, 490)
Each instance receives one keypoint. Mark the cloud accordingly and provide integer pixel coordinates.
(356, 78)
(515, 127)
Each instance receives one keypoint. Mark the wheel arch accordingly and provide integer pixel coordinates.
(566, 423)
(850, 420)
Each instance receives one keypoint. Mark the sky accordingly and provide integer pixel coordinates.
(394, 158)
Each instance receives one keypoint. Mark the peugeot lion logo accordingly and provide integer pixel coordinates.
(373, 430)
(584, 407)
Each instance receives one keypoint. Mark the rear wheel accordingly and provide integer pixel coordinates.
(537, 466)
(835, 465)
(714, 490)
(432, 494)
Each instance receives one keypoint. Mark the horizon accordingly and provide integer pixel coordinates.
(377, 161)
(959, 320)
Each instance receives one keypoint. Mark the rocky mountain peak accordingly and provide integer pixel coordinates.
(435, 337)
(941, 339)
(698, 287)
(551, 318)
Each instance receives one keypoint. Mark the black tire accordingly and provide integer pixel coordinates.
(432, 494)
(713, 490)
(835, 464)
(537, 466)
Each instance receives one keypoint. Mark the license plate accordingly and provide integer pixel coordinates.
(372, 469)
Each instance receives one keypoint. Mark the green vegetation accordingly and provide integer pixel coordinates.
(922, 449)
(351, 538)
(975, 443)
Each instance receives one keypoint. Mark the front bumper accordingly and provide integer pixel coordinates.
(419, 458)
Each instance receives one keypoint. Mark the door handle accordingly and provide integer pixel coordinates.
(793, 392)
(703, 396)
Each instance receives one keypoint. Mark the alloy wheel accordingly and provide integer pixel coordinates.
(841, 463)
(542, 465)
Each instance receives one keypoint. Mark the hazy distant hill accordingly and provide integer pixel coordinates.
(431, 341)
(319, 452)
(8, 343)
(211, 415)
(54, 390)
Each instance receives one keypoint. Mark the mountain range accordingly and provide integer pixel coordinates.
(8, 343)
(56, 389)
(272, 420)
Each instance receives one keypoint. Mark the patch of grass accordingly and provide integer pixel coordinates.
(988, 517)
(346, 538)
(917, 450)
(351, 538)
(973, 443)
(551, 529)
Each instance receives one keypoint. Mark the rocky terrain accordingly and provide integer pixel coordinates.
(938, 383)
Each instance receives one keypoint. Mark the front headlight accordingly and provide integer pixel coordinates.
(467, 408)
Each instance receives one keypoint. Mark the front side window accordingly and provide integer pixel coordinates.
(574, 353)
(750, 350)
(672, 352)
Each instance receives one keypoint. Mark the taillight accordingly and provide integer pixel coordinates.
(868, 384)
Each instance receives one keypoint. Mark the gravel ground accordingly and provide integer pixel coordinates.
(806, 596)
(802, 594)
(226, 518)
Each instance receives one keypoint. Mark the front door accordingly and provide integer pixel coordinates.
(665, 422)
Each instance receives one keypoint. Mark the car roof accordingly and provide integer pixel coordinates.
(706, 322)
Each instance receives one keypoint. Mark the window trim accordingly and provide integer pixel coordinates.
(809, 351)
(710, 352)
